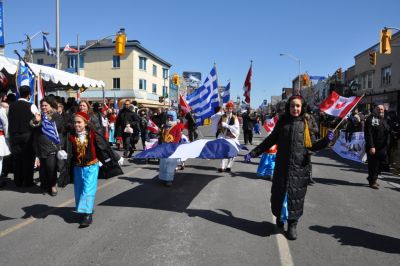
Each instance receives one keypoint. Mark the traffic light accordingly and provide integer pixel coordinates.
(385, 39)
(305, 80)
(175, 79)
(372, 58)
(120, 41)
(339, 73)
(161, 99)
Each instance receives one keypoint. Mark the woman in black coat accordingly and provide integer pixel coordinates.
(295, 140)
(46, 149)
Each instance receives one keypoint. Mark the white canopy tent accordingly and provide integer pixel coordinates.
(54, 79)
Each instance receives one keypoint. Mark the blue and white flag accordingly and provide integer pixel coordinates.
(226, 94)
(202, 148)
(47, 47)
(24, 77)
(205, 98)
(49, 129)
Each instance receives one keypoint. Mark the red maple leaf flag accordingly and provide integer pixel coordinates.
(269, 124)
(337, 105)
(247, 86)
(185, 108)
(152, 127)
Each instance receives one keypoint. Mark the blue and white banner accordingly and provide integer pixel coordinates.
(205, 98)
(1, 25)
(49, 129)
(226, 94)
(354, 149)
(47, 48)
(24, 77)
(202, 148)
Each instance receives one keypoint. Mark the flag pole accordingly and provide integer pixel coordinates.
(348, 113)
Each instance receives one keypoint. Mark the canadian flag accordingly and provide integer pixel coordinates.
(269, 124)
(185, 108)
(152, 127)
(68, 48)
(337, 105)
(247, 86)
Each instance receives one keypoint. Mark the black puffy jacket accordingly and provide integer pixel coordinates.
(292, 164)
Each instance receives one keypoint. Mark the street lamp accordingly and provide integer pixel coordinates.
(298, 60)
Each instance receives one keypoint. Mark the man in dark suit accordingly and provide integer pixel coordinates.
(22, 117)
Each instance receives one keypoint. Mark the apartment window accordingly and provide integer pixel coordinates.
(116, 83)
(155, 70)
(40, 61)
(142, 63)
(386, 74)
(72, 61)
(116, 61)
(164, 90)
(165, 73)
(142, 84)
(154, 88)
(369, 82)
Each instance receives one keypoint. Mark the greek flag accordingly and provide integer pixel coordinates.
(24, 77)
(202, 148)
(226, 94)
(49, 129)
(47, 48)
(205, 98)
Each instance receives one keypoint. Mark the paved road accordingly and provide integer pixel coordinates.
(206, 218)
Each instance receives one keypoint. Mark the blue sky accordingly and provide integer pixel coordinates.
(193, 35)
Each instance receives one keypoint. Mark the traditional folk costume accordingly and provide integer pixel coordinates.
(4, 150)
(88, 148)
(229, 129)
(171, 133)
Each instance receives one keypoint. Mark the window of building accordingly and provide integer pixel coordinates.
(142, 63)
(116, 83)
(369, 82)
(142, 84)
(116, 61)
(386, 74)
(165, 73)
(154, 88)
(40, 61)
(72, 61)
(164, 90)
(155, 70)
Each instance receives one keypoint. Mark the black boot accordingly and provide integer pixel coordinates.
(87, 220)
(292, 232)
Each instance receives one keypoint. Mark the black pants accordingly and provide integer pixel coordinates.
(48, 172)
(192, 135)
(248, 136)
(23, 163)
(143, 136)
(375, 163)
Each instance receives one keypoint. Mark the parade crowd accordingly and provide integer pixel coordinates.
(76, 142)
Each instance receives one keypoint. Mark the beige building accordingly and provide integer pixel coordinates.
(139, 74)
(381, 82)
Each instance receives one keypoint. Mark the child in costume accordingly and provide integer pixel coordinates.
(88, 148)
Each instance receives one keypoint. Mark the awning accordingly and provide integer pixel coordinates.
(54, 78)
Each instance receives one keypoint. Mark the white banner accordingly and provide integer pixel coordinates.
(353, 150)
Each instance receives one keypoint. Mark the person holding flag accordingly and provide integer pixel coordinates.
(47, 142)
(20, 114)
(295, 140)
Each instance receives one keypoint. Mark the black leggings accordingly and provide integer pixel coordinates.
(48, 172)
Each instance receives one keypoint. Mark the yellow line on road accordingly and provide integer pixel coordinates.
(66, 203)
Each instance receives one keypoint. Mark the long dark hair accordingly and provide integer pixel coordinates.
(303, 105)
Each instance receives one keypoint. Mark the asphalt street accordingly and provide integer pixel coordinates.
(206, 218)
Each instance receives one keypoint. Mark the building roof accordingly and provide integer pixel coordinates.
(108, 43)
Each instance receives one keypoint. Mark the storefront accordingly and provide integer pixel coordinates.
(390, 100)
